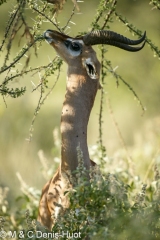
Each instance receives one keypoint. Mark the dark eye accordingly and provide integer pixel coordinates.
(75, 46)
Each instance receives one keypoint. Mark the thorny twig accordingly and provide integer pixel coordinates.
(14, 30)
(25, 72)
(100, 14)
(41, 102)
(44, 15)
(156, 4)
(108, 16)
(117, 76)
(28, 34)
(3, 69)
(132, 28)
(103, 74)
(71, 16)
(9, 25)
(130, 162)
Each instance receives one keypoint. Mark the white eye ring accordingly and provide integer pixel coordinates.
(74, 46)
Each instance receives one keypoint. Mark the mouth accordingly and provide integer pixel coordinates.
(47, 36)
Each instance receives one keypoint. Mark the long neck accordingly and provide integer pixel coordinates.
(79, 99)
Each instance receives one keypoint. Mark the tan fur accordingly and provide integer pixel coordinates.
(79, 99)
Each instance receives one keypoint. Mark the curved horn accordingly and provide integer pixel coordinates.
(126, 47)
(112, 38)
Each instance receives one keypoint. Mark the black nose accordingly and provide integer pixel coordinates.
(49, 30)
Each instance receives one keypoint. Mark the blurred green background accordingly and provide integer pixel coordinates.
(141, 70)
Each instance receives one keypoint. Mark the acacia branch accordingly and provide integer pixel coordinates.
(139, 33)
(25, 72)
(3, 69)
(9, 25)
(72, 14)
(112, 10)
(156, 4)
(41, 13)
(118, 77)
(41, 99)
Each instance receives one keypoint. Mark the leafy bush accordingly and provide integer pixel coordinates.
(103, 206)
(106, 208)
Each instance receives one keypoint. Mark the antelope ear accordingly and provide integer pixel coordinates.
(90, 68)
